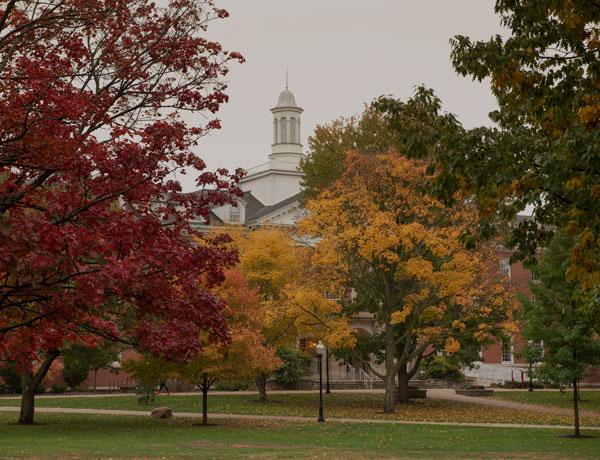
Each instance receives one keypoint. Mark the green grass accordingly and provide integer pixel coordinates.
(353, 405)
(590, 400)
(62, 436)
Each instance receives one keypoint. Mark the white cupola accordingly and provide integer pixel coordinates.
(279, 178)
(287, 144)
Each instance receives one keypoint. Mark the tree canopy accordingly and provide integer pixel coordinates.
(292, 290)
(543, 152)
(417, 127)
(558, 315)
(403, 252)
(91, 114)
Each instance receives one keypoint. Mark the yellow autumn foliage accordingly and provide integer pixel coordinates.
(375, 223)
(451, 345)
(292, 290)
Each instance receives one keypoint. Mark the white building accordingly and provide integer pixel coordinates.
(279, 178)
(272, 189)
(272, 193)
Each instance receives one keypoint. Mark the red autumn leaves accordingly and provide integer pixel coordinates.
(94, 232)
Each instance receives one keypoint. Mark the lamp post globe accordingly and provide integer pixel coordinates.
(320, 349)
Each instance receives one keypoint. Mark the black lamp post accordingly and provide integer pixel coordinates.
(327, 387)
(530, 377)
(320, 351)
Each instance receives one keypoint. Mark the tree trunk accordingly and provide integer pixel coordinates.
(390, 367)
(27, 400)
(30, 383)
(403, 378)
(261, 385)
(204, 387)
(390, 393)
(576, 406)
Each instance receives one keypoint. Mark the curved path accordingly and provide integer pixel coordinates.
(450, 395)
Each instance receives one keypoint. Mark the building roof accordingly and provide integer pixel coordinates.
(213, 219)
(273, 208)
(253, 204)
(286, 99)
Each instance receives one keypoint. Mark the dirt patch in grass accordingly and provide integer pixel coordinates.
(240, 445)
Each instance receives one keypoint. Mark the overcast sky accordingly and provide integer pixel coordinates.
(341, 54)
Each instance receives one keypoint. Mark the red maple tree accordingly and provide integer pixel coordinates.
(95, 239)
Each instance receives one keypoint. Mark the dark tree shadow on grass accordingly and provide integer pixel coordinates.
(581, 436)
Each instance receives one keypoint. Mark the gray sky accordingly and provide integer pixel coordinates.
(341, 54)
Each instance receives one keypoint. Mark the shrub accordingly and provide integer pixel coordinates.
(295, 366)
(473, 387)
(518, 385)
(58, 389)
(442, 367)
(232, 385)
(40, 390)
(145, 393)
(11, 380)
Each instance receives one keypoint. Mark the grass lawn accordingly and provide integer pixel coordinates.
(590, 400)
(62, 436)
(354, 405)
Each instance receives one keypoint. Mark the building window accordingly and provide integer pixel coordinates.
(234, 214)
(534, 276)
(507, 350)
(303, 344)
(293, 130)
(505, 267)
(283, 128)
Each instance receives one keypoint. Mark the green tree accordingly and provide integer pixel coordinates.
(559, 315)
(76, 365)
(327, 147)
(295, 366)
(533, 354)
(79, 360)
(417, 127)
(543, 152)
(148, 371)
(100, 357)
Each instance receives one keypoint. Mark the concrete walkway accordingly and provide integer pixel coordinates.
(449, 395)
(185, 393)
(437, 393)
(286, 418)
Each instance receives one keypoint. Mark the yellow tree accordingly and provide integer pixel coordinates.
(292, 293)
(404, 253)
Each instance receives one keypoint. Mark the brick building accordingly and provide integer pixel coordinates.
(500, 361)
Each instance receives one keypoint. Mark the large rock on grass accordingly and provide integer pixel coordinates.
(162, 412)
